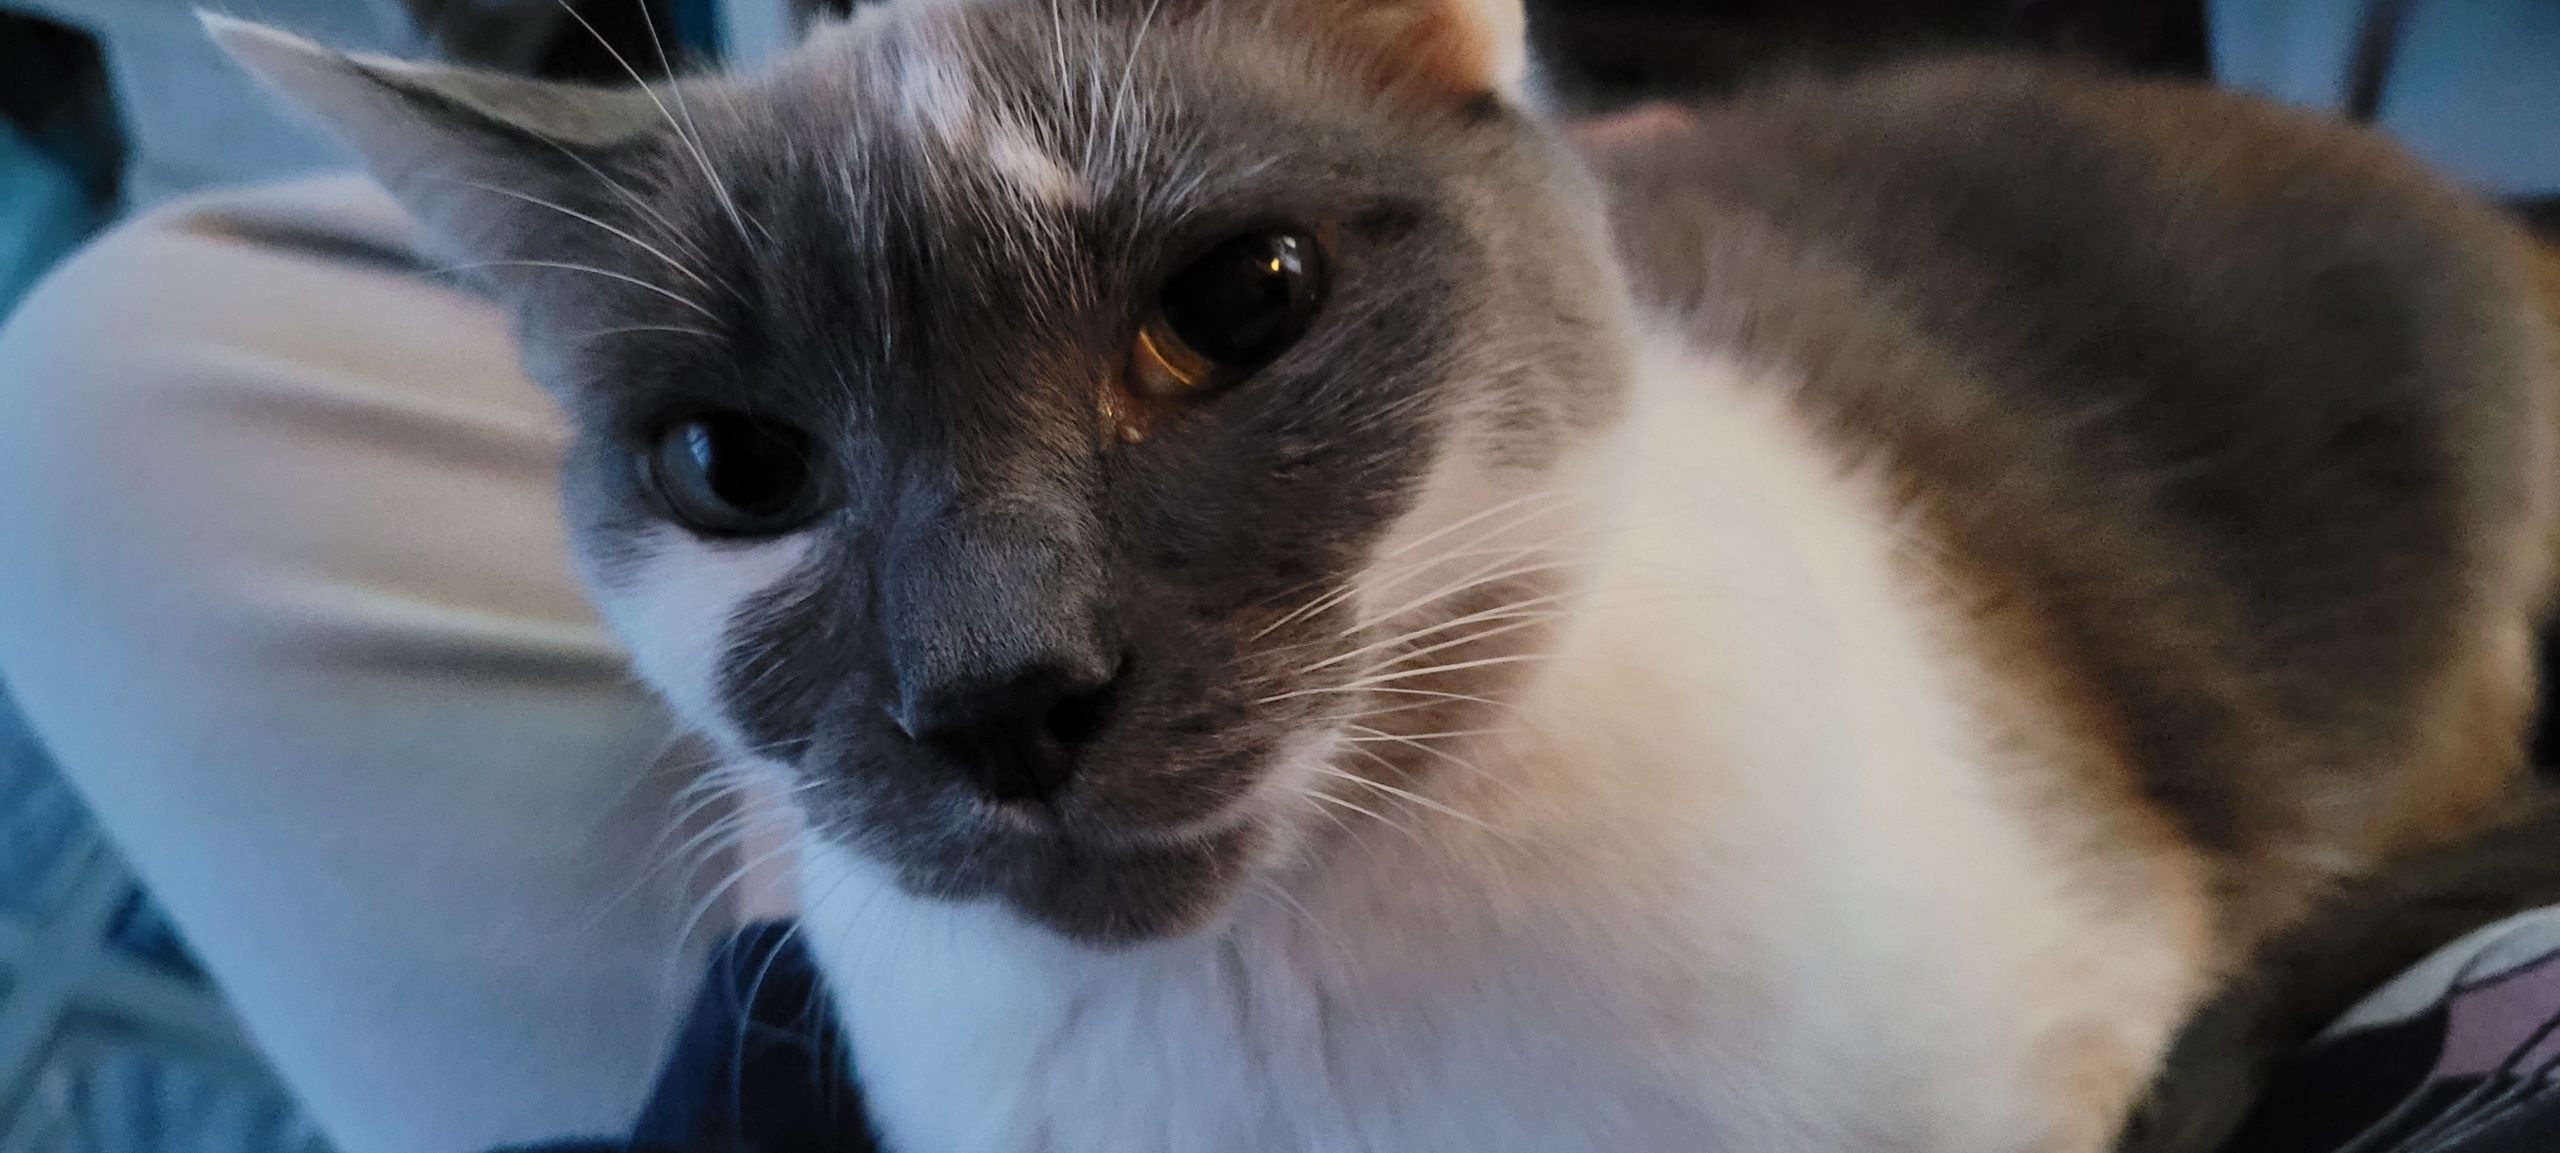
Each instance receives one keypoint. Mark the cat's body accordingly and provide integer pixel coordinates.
(1819, 831)
(1745, 875)
(1832, 636)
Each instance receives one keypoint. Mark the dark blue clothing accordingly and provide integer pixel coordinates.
(759, 1066)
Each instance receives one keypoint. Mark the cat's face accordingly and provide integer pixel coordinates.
(1081, 446)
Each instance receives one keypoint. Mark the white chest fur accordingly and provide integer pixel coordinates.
(1759, 884)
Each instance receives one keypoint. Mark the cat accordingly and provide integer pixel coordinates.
(1301, 613)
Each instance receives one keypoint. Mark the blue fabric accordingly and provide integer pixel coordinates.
(43, 214)
(759, 1066)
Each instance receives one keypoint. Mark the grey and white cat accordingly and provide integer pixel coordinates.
(1302, 614)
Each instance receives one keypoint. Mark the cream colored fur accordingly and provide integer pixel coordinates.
(1739, 874)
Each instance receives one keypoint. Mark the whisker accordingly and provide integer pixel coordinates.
(1338, 822)
(1534, 620)
(1371, 714)
(634, 329)
(1533, 610)
(1374, 578)
(1128, 69)
(659, 861)
(1350, 691)
(719, 188)
(676, 86)
(718, 893)
(1379, 735)
(1451, 667)
(566, 266)
(1321, 797)
(1414, 798)
(1355, 585)
(1477, 518)
(574, 214)
(638, 203)
(1435, 752)
(1483, 575)
(1352, 587)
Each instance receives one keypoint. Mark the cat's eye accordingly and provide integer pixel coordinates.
(1232, 310)
(728, 474)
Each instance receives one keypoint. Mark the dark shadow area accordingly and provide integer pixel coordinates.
(54, 92)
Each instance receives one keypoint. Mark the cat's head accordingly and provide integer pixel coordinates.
(1083, 441)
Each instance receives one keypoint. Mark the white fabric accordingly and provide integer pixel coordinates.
(2480, 956)
(284, 589)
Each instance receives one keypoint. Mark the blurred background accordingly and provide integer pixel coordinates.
(113, 1041)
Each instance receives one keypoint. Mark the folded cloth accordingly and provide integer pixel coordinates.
(2460, 1054)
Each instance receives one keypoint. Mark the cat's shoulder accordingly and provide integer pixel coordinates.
(2238, 395)
(1990, 165)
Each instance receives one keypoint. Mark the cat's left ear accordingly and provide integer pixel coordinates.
(472, 155)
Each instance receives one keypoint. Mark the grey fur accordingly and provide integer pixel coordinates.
(873, 281)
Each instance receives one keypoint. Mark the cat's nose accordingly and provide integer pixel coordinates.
(1017, 737)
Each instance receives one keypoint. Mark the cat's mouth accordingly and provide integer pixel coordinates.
(1125, 893)
(1104, 890)
(1121, 856)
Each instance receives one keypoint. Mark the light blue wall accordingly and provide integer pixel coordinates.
(2474, 87)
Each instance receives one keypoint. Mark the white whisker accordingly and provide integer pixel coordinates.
(1390, 690)
(1452, 667)
(630, 329)
(1479, 517)
(574, 214)
(1381, 735)
(1321, 797)
(1483, 575)
(1533, 608)
(608, 274)
(1463, 550)
(719, 188)
(1413, 798)
(1434, 752)
(1374, 577)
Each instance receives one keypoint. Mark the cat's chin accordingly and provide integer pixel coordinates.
(1103, 896)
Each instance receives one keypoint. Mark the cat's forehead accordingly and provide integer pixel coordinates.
(932, 206)
(980, 96)
(1024, 111)
(918, 166)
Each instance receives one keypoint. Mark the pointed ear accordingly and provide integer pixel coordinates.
(471, 154)
(1433, 49)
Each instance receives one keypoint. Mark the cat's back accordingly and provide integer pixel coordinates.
(2234, 423)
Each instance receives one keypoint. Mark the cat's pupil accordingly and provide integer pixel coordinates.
(728, 473)
(1247, 301)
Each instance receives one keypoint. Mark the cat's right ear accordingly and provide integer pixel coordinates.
(473, 155)
(1434, 50)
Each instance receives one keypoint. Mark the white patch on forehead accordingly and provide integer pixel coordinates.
(942, 109)
(676, 605)
(1029, 171)
(936, 99)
